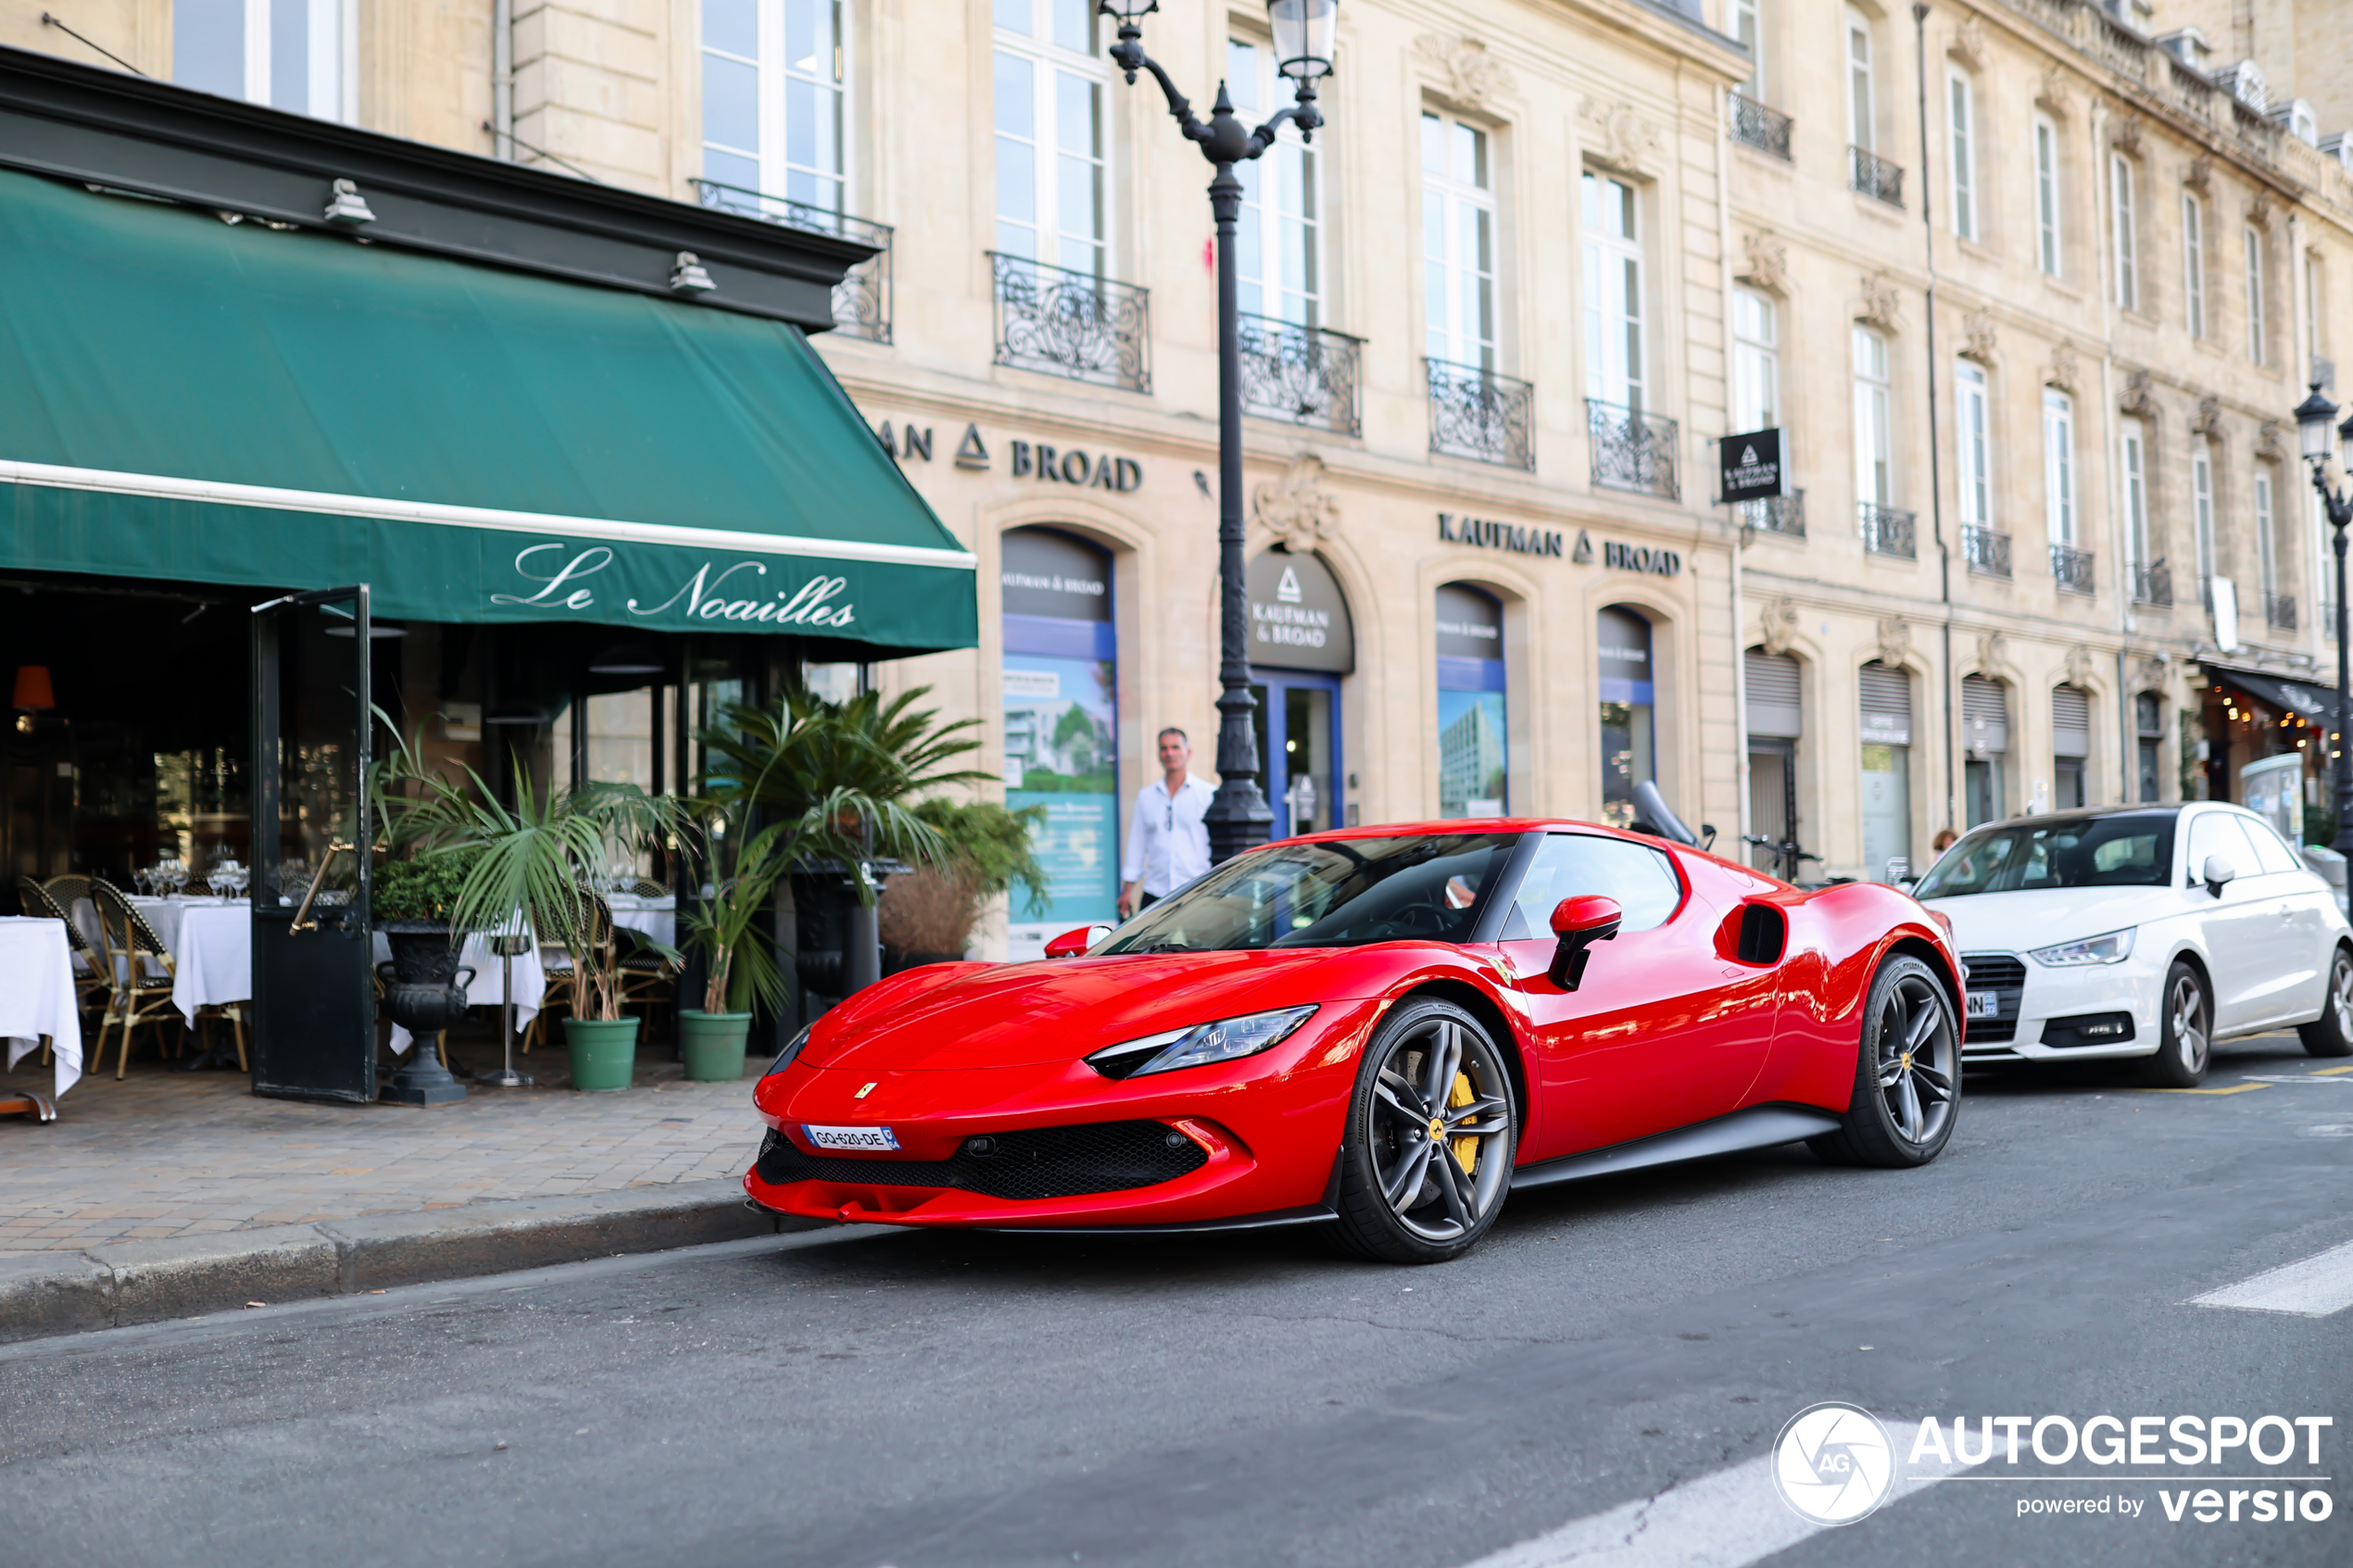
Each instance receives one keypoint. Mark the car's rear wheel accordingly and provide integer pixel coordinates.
(2332, 1032)
(1907, 1073)
(2186, 1031)
(1432, 1129)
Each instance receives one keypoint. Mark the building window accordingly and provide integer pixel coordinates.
(1614, 357)
(2266, 547)
(2253, 238)
(1963, 103)
(1861, 107)
(773, 75)
(1279, 257)
(2194, 264)
(1757, 361)
(1458, 242)
(2058, 466)
(2148, 722)
(1473, 754)
(2135, 440)
(1886, 693)
(1874, 477)
(1977, 469)
(1776, 722)
(2071, 745)
(2202, 514)
(287, 53)
(2315, 306)
(1748, 27)
(1061, 725)
(1985, 735)
(1051, 141)
(1629, 726)
(2126, 241)
(2047, 194)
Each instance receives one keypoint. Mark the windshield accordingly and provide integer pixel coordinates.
(2131, 850)
(1343, 894)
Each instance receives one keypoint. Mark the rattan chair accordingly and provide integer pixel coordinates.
(647, 887)
(139, 971)
(89, 987)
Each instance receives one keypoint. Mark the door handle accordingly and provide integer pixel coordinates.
(301, 923)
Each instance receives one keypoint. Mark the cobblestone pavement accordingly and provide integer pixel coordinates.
(164, 1153)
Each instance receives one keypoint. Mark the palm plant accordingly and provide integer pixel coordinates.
(738, 968)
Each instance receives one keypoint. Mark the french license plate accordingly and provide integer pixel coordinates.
(868, 1138)
(1984, 1004)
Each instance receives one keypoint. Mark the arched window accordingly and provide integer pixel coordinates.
(1887, 694)
(2148, 725)
(1061, 724)
(1776, 722)
(1985, 738)
(1474, 751)
(1628, 716)
(2071, 745)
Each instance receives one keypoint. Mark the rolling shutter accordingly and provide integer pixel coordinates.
(2071, 721)
(1774, 709)
(1985, 716)
(1887, 706)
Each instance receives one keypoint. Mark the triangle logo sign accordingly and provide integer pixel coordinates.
(1287, 591)
(1748, 457)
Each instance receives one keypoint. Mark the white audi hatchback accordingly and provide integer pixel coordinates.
(2141, 930)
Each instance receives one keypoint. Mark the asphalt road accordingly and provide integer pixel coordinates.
(858, 1399)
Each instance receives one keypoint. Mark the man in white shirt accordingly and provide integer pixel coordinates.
(1167, 839)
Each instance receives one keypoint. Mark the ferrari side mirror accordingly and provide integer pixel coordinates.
(1072, 944)
(2217, 871)
(1578, 922)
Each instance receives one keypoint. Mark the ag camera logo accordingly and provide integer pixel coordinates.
(1833, 1464)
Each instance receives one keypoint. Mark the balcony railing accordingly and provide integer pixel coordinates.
(1307, 375)
(2152, 584)
(2279, 610)
(861, 300)
(1784, 515)
(1888, 531)
(1986, 551)
(1754, 125)
(1476, 413)
(2073, 569)
(1066, 322)
(1875, 176)
(1633, 450)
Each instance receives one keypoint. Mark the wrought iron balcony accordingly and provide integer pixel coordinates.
(1633, 450)
(1754, 125)
(1308, 375)
(1784, 515)
(2152, 584)
(1874, 176)
(2073, 569)
(1476, 413)
(1888, 531)
(861, 300)
(1986, 551)
(2279, 609)
(1066, 322)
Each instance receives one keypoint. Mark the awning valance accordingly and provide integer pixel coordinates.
(185, 397)
(2289, 697)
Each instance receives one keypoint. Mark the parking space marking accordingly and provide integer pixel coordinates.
(2232, 1089)
(2315, 1288)
(1722, 1520)
(2297, 1078)
(2328, 1071)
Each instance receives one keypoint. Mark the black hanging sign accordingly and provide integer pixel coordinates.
(1753, 470)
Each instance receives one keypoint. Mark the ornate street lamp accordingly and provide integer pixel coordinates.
(1238, 817)
(2313, 417)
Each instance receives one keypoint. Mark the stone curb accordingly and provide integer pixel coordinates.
(132, 1282)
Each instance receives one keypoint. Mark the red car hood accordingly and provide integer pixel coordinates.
(1059, 1009)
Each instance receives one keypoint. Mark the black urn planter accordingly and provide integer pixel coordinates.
(424, 995)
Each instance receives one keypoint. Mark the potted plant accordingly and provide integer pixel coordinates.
(927, 914)
(422, 991)
(739, 968)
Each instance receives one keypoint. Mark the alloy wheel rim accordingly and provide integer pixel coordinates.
(1440, 1140)
(1915, 1056)
(2341, 995)
(2189, 1022)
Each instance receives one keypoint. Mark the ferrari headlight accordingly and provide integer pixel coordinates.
(1226, 1040)
(2114, 948)
(792, 1049)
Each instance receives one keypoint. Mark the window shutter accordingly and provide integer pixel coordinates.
(2071, 721)
(1775, 707)
(1887, 706)
(1985, 716)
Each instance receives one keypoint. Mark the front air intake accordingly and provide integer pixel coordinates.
(1032, 1163)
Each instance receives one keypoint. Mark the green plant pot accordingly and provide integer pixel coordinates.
(604, 1053)
(713, 1043)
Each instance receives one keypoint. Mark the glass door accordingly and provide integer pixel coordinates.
(1299, 754)
(314, 1014)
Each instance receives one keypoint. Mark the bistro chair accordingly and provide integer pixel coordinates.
(555, 963)
(647, 887)
(89, 984)
(139, 969)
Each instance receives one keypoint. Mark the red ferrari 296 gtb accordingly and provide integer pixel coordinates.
(1382, 1031)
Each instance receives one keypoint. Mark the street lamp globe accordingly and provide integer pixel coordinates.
(2313, 417)
(1129, 13)
(2345, 444)
(1306, 32)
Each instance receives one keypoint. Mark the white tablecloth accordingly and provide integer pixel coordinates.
(487, 988)
(36, 994)
(165, 915)
(212, 956)
(658, 918)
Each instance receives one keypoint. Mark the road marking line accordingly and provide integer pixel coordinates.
(2254, 1079)
(2233, 1089)
(1723, 1519)
(2318, 1287)
(2328, 1072)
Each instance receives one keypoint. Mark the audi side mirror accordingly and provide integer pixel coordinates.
(1072, 944)
(2217, 871)
(1578, 922)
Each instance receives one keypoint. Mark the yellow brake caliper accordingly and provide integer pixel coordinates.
(1465, 1148)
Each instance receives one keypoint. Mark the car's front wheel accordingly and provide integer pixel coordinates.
(1432, 1129)
(2186, 1031)
(2332, 1032)
(1907, 1073)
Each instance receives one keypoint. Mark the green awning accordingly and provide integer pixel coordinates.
(186, 399)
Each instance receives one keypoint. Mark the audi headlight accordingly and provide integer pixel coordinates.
(792, 1049)
(1199, 1045)
(2114, 948)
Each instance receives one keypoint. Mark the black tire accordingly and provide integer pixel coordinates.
(1907, 1073)
(2185, 1031)
(2332, 1032)
(1407, 1197)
